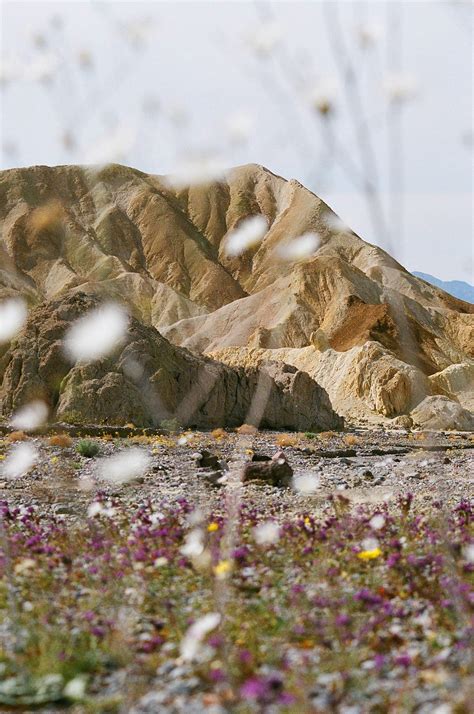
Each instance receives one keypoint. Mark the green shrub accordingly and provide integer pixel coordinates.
(86, 447)
(310, 435)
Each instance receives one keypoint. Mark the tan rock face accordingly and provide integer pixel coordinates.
(117, 233)
(362, 382)
(147, 380)
(441, 413)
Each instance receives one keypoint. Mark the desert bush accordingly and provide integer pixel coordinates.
(247, 429)
(350, 439)
(286, 440)
(310, 435)
(16, 436)
(62, 440)
(87, 447)
(219, 433)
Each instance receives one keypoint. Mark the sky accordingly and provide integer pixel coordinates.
(368, 104)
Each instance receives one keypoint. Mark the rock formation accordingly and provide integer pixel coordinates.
(377, 338)
(147, 380)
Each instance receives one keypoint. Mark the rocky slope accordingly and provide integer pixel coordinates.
(147, 380)
(118, 233)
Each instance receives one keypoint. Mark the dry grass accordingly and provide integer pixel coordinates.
(64, 441)
(219, 433)
(287, 440)
(351, 439)
(247, 429)
(16, 436)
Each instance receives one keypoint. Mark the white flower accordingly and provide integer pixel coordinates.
(307, 483)
(126, 466)
(113, 146)
(468, 553)
(94, 509)
(370, 544)
(21, 458)
(267, 533)
(323, 97)
(336, 224)
(195, 634)
(299, 248)
(43, 68)
(377, 522)
(13, 314)
(196, 172)
(75, 689)
(31, 416)
(97, 333)
(194, 544)
(248, 233)
(400, 87)
(265, 38)
(240, 127)
(369, 34)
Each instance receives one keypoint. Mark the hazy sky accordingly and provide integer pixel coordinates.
(152, 84)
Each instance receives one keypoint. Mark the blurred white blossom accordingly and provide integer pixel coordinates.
(322, 98)
(191, 642)
(265, 38)
(20, 459)
(196, 172)
(267, 533)
(31, 416)
(308, 482)
(377, 522)
(302, 247)
(468, 552)
(400, 87)
(97, 333)
(240, 126)
(42, 68)
(369, 34)
(114, 146)
(194, 543)
(13, 314)
(248, 233)
(126, 466)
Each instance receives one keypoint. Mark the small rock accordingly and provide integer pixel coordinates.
(205, 460)
(260, 457)
(277, 471)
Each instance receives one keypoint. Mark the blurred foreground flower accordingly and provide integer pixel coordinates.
(267, 533)
(13, 314)
(400, 87)
(97, 333)
(196, 173)
(299, 248)
(21, 458)
(124, 467)
(240, 127)
(31, 416)
(377, 522)
(307, 482)
(371, 549)
(265, 38)
(195, 634)
(249, 233)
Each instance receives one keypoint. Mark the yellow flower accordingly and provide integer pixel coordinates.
(54, 459)
(369, 554)
(212, 527)
(222, 569)
(307, 521)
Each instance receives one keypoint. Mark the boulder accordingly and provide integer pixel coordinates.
(276, 471)
(443, 414)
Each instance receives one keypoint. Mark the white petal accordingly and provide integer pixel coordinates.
(31, 416)
(97, 333)
(13, 314)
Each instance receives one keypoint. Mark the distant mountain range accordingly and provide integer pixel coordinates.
(458, 288)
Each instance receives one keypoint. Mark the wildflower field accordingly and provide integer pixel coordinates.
(145, 602)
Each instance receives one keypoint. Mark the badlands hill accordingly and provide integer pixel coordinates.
(382, 342)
